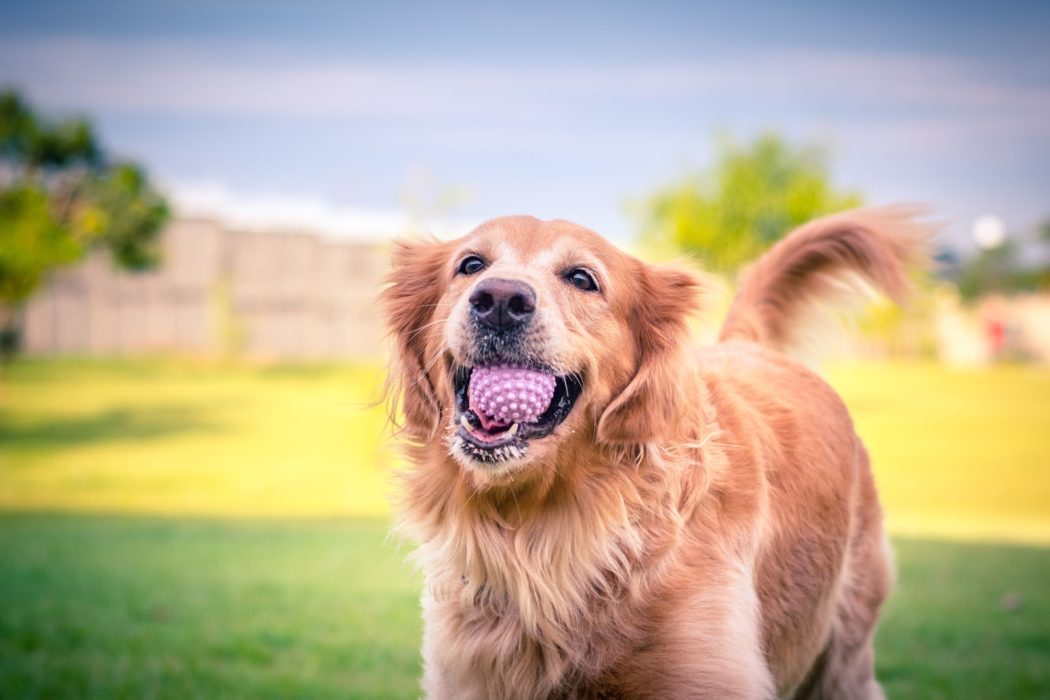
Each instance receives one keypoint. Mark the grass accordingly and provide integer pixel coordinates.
(967, 620)
(124, 574)
(111, 607)
(172, 437)
(957, 453)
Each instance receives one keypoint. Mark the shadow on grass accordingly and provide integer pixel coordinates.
(113, 425)
(967, 620)
(174, 608)
(318, 609)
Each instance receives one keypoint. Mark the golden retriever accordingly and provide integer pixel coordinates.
(652, 519)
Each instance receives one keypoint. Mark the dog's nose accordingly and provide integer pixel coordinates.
(503, 304)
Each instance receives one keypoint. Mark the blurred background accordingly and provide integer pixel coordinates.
(196, 206)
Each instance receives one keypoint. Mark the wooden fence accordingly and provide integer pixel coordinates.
(219, 291)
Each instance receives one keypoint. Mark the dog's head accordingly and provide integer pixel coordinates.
(526, 337)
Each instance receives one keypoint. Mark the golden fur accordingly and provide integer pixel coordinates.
(704, 522)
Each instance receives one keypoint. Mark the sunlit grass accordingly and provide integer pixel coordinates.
(176, 437)
(956, 453)
(149, 605)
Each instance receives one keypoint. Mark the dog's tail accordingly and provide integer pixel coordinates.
(819, 262)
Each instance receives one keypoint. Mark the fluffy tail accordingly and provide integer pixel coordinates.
(819, 262)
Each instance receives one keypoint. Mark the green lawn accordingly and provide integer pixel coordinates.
(173, 437)
(956, 453)
(153, 538)
(131, 607)
(103, 606)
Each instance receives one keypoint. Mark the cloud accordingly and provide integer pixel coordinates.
(965, 129)
(237, 78)
(289, 212)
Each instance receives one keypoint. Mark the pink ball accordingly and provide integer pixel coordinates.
(510, 394)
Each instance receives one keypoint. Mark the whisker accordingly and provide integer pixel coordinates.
(473, 492)
(424, 327)
(518, 507)
(423, 375)
(429, 365)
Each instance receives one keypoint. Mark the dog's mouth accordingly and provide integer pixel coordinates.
(501, 408)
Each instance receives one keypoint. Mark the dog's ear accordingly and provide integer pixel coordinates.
(651, 405)
(413, 291)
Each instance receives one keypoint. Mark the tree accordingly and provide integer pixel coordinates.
(752, 196)
(1018, 264)
(60, 197)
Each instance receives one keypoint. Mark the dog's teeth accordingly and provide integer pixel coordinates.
(464, 422)
(513, 430)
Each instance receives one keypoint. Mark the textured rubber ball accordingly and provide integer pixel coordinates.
(511, 394)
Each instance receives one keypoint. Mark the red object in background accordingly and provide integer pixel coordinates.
(996, 331)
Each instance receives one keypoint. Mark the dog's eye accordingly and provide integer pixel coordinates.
(582, 279)
(470, 265)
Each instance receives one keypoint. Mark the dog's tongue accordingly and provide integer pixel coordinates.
(505, 394)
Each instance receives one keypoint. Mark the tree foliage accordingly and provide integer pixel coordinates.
(61, 196)
(1015, 265)
(753, 195)
(31, 241)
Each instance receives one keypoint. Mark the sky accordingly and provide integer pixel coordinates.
(357, 113)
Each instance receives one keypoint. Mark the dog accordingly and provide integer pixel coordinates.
(602, 508)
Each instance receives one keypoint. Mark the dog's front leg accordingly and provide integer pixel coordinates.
(447, 672)
(707, 644)
(473, 655)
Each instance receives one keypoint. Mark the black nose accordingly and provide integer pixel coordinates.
(503, 304)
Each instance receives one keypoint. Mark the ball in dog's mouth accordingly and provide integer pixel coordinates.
(500, 407)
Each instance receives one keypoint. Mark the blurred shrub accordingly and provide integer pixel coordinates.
(753, 195)
(1015, 265)
(60, 196)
